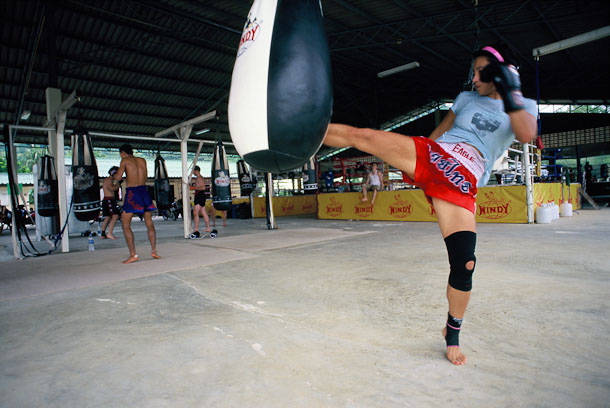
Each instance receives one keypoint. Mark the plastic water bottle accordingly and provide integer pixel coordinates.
(91, 243)
(99, 229)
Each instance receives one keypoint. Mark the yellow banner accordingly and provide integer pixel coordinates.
(290, 205)
(494, 204)
(403, 205)
(549, 192)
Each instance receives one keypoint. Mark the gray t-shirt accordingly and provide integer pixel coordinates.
(481, 122)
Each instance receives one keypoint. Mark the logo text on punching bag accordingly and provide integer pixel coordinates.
(222, 180)
(82, 179)
(249, 35)
(43, 188)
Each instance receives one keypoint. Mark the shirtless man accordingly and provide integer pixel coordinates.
(137, 200)
(110, 208)
(200, 198)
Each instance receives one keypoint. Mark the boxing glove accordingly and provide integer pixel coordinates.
(508, 84)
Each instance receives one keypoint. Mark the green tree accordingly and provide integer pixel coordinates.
(28, 156)
(3, 167)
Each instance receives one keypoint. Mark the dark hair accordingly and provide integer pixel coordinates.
(492, 52)
(197, 168)
(113, 170)
(126, 148)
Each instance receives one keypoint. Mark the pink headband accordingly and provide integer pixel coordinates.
(493, 52)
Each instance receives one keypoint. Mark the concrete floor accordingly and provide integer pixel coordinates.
(315, 314)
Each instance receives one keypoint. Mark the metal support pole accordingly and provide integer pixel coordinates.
(14, 204)
(529, 192)
(269, 200)
(57, 116)
(185, 132)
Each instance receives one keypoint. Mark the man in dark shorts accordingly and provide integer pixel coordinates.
(200, 198)
(137, 200)
(110, 208)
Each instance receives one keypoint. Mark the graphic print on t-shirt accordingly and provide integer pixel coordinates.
(483, 123)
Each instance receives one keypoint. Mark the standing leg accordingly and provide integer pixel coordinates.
(206, 218)
(126, 222)
(152, 234)
(104, 225)
(224, 218)
(196, 212)
(113, 221)
(455, 219)
(213, 215)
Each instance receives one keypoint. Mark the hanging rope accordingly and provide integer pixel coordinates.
(468, 85)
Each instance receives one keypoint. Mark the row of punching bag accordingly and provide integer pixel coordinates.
(85, 181)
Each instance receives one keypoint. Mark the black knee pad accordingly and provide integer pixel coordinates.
(460, 247)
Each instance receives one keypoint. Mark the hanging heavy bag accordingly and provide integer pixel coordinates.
(85, 180)
(280, 100)
(163, 197)
(245, 179)
(310, 177)
(47, 187)
(221, 180)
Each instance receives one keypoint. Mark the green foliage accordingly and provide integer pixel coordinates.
(27, 156)
(3, 168)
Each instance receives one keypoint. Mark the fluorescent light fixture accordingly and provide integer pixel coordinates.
(202, 131)
(396, 70)
(25, 115)
(572, 42)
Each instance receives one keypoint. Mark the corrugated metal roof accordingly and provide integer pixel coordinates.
(143, 66)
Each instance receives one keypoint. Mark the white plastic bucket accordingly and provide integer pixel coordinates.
(566, 209)
(543, 214)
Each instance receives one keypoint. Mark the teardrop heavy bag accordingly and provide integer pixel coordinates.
(280, 101)
(85, 180)
(162, 188)
(221, 179)
(310, 177)
(245, 179)
(47, 187)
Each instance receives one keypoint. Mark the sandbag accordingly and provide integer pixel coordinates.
(85, 179)
(221, 179)
(163, 197)
(47, 187)
(310, 177)
(280, 100)
(245, 178)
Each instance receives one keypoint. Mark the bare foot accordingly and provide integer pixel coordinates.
(364, 199)
(224, 225)
(154, 255)
(453, 352)
(110, 236)
(131, 259)
(372, 203)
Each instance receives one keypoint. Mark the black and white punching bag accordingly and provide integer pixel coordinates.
(310, 177)
(162, 188)
(245, 179)
(280, 101)
(47, 187)
(221, 179)
(85, 180)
